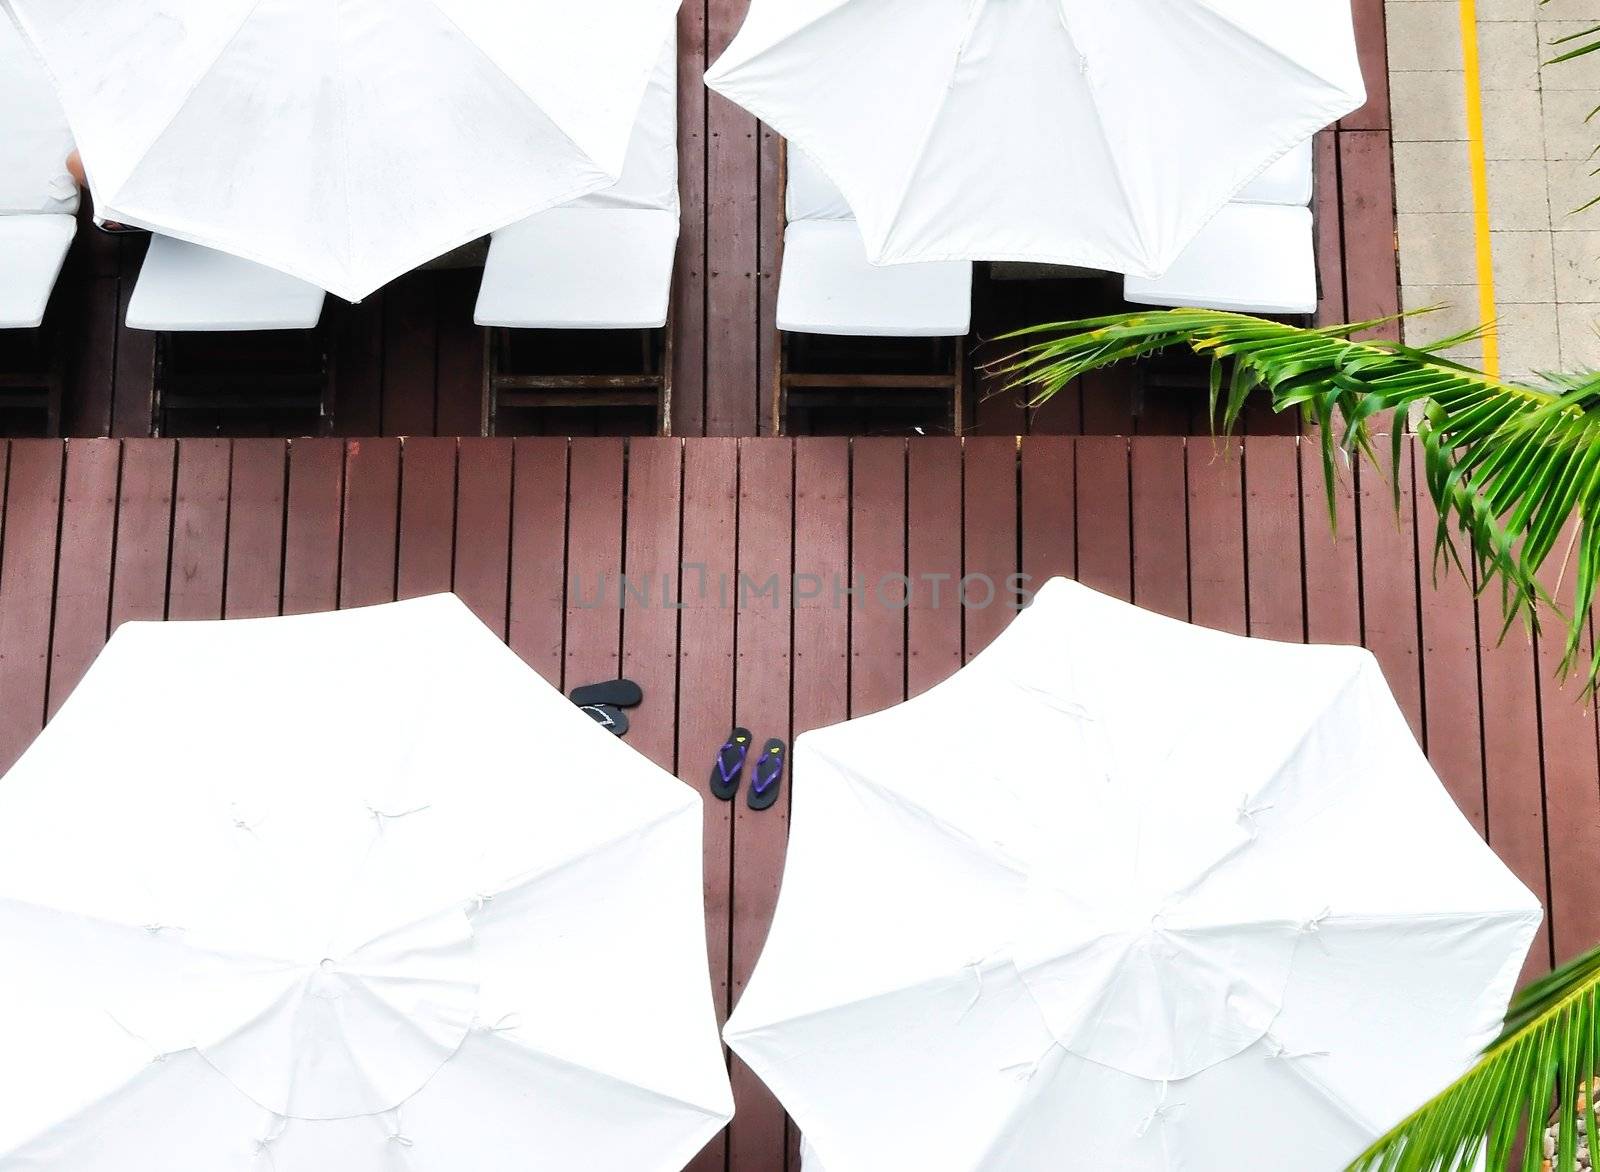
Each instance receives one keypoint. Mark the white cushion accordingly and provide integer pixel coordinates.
(811, 195)
(650, 173)
(829, 287)
(581, 268)
(34, 138)
(32, 250)
(1288, 181)
(187, 288)
(1257, 258)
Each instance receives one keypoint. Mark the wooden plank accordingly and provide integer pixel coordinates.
(1216, 534)
(1330, 231)
(1371, 272)
(689, 281)
(1332, 560)
(1273, 572)
(821, 659)
(358, 366)
(1373, 54)
(1571, 788)
(83, 572)
(539, 553)
(483, 530)
(315, 505)
(1512, 765)
(705, 706)
(255, 528)
(877, 563)
(734, 377)
(821, 546)
(769, 250)
(1105, 549)
(459, 374)
(27, 582)
(410, 356)
(1389, 582)
(133, 393)
(757, 1137)
(934, 627)
(1049, 509)
(199, 529)
(649, 620)
(427, 517)
(1450, 668)
(594, 564)
(88, 338)
(989, 590)
(144, 530)
(1160, 525)
(1108, 402)
(370, 526)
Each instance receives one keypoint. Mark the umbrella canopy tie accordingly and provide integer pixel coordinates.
(382, 816)
(1276, 1049)
(280, 1124)
(1160, 1113)
(509, 1023)
(1025, 1071)
(1250, 815)
(1313, 924)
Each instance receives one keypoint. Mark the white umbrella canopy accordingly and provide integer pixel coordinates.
(1072, 132)
(1126, 893)
(346, 142)
(354, 891)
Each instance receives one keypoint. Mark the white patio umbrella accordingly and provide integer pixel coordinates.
(1075, 132)
(346, 142)
(1126, 894)
(352, 891)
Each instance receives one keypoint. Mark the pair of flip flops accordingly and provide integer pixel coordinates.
(604, 702)
(766, 777)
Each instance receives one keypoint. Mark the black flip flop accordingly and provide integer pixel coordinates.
(617, 693)
(768, 776)
(729, 764)
(608, 717)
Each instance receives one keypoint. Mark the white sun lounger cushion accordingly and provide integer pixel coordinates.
(829, 287)
(32, 251)
(1288, 181)
(581, 269)
(186, 288)
(811, 195)
(34, 138)
(602, 262)
(1254, 258)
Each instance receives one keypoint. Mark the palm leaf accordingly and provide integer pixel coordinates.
(1511, 466)
(1543, 1061)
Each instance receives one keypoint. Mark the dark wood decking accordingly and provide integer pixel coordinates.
(94, 533)
(409, 361)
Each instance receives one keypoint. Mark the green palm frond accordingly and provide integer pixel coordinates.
(1509, 464)
(1543, 1063)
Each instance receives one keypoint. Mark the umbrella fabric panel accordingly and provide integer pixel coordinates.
(33, 152)
(1042, 130)
(347, 146)
(1201, 858)
(650, 172)
(418, 817)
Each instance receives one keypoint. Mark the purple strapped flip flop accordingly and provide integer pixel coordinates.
(730, 764)
(768, 775)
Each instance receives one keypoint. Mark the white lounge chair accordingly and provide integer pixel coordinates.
(38, 199)
(1257, 256)
(828, 286)
(602, 262)
(187, 288)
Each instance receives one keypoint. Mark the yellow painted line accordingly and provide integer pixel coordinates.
(1479, 168)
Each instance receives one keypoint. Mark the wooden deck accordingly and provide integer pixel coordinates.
(94, 533)
(409, 361)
